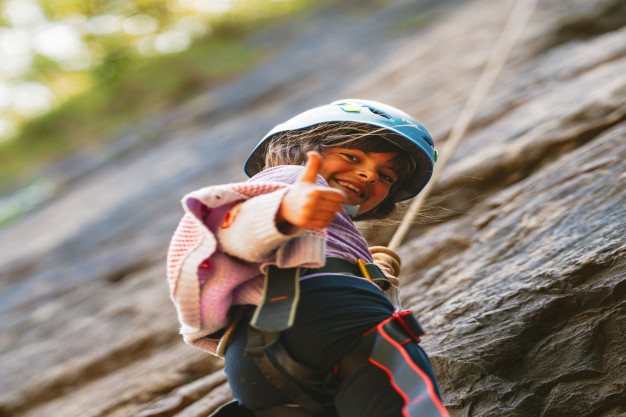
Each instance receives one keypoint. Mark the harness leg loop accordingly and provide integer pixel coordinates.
(361, 392)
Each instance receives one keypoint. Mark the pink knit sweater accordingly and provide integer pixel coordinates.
(206, 280)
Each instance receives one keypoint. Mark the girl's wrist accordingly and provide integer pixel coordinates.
(285, 227)
(282, 224)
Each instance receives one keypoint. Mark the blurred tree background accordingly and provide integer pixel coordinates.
(76, 72)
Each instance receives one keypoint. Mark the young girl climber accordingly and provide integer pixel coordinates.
(272, 274)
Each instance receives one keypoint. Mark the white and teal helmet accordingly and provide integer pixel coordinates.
(398, 127)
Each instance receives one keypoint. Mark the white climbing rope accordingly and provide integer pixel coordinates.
(520, 15)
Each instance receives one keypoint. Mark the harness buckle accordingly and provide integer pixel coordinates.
(373, 273)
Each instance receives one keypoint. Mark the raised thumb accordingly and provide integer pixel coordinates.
(313, 165)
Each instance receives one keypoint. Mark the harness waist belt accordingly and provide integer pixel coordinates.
(281, 292)
(336, 265)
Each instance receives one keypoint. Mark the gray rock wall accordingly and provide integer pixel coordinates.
(516, 270)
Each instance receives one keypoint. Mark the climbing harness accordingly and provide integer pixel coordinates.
(310, 392)
(275, 314)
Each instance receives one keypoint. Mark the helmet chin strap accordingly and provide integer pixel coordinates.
(351, 210)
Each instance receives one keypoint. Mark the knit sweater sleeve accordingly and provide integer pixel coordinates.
(249, 230)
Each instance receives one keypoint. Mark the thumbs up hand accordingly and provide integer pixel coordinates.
(307, 204)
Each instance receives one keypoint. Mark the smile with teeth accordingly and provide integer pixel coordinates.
(351, 187)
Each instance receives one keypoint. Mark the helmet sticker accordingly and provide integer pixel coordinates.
(351, 107)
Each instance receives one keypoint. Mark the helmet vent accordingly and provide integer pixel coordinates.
(380, 113)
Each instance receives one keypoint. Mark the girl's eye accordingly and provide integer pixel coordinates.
(387, 178)
(350, 157)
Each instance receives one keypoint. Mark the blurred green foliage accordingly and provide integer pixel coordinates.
(128, 92)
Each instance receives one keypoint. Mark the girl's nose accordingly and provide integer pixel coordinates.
(368, 174)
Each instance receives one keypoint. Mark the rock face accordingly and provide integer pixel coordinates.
(520, 279)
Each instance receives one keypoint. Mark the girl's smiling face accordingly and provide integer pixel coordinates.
(365, 177)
